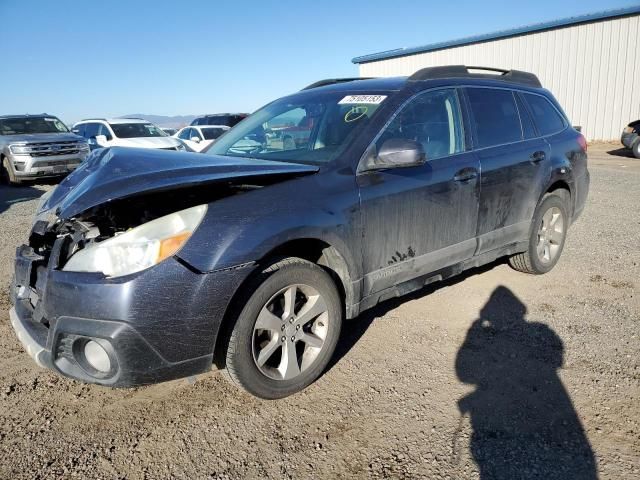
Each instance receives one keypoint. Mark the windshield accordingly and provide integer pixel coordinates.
(212, 133)
(309, 128)
(26, 125)
(136, 130)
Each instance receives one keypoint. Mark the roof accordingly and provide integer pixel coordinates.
(538, 27)
(21, 115)
(369, 84)
(115, 121)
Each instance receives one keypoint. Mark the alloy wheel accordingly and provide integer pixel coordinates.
(550, 235)
(290, 332)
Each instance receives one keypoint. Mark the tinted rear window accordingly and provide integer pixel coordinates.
(495, 115)
(546, 117)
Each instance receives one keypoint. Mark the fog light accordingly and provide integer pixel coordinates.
(97, 357)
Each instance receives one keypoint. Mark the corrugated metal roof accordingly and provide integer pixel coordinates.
(564, 22)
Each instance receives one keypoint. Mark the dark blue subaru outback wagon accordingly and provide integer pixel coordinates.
(144, 266)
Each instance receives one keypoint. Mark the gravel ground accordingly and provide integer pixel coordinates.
(496, 374)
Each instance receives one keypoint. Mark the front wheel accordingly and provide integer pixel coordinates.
(6, 174)
(287, 330)
(546, 241)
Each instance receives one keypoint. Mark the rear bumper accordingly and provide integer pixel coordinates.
(581, 193)
(157, 325)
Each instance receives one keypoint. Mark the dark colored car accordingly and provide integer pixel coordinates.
(631, 138)
(224, 119)
(144, 266)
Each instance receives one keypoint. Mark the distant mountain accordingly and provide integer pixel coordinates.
(176, 121)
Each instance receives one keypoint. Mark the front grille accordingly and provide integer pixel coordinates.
(54, 148)
(54, 163)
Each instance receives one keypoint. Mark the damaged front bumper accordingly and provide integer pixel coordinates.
(156, 325)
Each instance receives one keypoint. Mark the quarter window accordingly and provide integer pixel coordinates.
(547, 118)
(528, 130)
(495, 116)
(432, 119)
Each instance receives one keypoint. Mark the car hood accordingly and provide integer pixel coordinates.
(42, 137)
(146, 142)
(115, 173)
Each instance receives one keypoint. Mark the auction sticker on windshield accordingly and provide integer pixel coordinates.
(371, 99)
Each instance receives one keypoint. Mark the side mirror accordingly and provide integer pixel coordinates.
(101, 139)
(396, 153)
(195, 139)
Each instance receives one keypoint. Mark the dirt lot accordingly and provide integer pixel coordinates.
(495, 374)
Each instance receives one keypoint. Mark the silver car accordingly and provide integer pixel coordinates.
(37, 146)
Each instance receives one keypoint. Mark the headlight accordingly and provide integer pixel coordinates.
(139, 248)
(19, 149)
(180, 147)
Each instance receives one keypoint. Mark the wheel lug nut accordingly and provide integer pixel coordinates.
(283, 338)
(293, 339)
(283, 327)
(291, 320)
(297, 327)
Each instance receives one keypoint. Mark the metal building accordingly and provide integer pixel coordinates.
(591, 63)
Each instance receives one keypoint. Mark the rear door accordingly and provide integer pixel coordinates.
(515, 164)
(423, 218)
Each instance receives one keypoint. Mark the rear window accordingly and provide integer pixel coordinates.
(495, 115)
(546, 117)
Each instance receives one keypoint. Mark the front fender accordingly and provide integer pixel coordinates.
(246, 227)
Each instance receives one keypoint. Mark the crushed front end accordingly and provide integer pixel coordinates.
(146, 327)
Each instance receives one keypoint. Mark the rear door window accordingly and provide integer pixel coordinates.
(495, 116)
(546, 117)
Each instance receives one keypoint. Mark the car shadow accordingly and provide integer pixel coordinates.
(524, 423)
(354, 329)
(621, 152)
(10, 195)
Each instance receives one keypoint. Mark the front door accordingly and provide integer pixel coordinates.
(423, 218)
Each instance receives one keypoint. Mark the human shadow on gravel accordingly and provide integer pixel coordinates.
(524, 423)
(353, 330)
(10, 195)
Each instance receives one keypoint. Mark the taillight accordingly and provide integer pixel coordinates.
(582, 142)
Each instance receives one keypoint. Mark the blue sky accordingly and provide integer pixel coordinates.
(86, 58)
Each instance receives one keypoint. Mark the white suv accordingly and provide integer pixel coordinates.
(125, 132)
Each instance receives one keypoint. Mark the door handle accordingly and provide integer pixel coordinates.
(465, 175)
(537, 156)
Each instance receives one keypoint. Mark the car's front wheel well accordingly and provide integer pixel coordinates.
(313, 250)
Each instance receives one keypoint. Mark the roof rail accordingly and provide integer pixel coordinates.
(331, 81)
(457, 71)
(92, 119)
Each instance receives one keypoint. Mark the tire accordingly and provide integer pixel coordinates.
(547, 237)
(6, 174)
(295, 345)
(636, 148)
